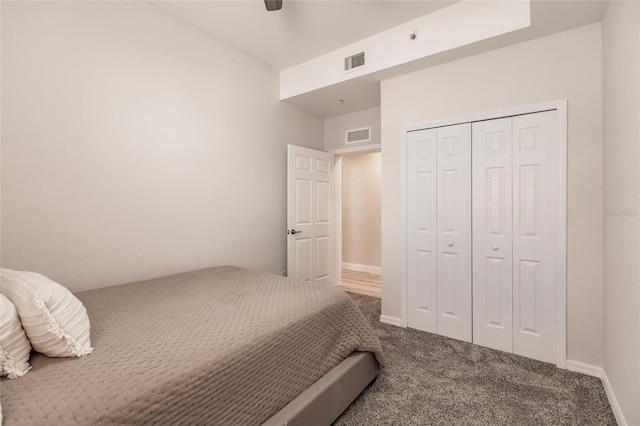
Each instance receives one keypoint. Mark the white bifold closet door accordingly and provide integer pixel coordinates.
(421, 230)
(535, 212)
(439, 230)
(492, 234)
(514, 234)
(454, 231)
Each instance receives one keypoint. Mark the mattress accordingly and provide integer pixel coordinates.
(217, 346)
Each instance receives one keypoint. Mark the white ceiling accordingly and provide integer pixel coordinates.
(302, 30)
(305, 29)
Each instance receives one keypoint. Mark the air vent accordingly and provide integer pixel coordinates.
(359, 135)
(354, 61)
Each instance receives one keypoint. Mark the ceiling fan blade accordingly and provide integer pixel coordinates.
(273, 4)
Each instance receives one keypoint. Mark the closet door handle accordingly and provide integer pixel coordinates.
(450, 244)
(494, 248)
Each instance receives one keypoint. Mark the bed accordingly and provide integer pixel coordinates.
(217, 346)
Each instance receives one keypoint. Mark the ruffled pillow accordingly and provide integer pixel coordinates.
(54, 320)
(14, 345)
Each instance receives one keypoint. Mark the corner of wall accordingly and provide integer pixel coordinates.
(615, 406)
(621, 131)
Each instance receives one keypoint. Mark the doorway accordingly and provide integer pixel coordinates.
(358, 227)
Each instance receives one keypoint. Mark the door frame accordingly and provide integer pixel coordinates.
(336, 211)
(561, 221)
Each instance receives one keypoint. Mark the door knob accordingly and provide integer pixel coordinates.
(450, 244)
(495, 248)
(293, 232)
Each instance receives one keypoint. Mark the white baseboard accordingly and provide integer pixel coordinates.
(584, 368)
(592, 370)
(362, 268)
(391, 320)
(617, 411)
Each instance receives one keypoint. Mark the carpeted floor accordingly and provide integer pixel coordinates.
(434, 380)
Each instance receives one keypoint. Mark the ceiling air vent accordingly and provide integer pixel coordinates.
(354, 61)
(359, 135)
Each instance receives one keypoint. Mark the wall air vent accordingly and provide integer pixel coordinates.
(359, 135)
(354, 61)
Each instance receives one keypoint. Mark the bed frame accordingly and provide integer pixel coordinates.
(327, 398)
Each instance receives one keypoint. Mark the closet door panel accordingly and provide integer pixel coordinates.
(421, 230)
(492, 234)
(534, 235)
(454, 231)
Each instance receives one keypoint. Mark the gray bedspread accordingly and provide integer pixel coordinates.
(217, 346)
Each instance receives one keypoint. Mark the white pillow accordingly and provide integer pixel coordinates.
(14, 345)
(54, 320)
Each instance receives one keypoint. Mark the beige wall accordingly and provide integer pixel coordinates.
(135, 146)
(335, 128)
(621, 85)
(566, 65)
(361, 209)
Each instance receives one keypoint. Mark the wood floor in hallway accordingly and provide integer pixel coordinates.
(361, 283)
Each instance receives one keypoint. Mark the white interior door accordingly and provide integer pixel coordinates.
(492, 234)
(309, 239)
(454, 231)
(421, 230)
(535, 212)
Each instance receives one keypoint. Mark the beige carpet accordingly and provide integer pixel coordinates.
(434, 380)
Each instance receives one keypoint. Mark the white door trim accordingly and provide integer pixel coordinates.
(336, 187)
(561, 240)
(356, 149)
